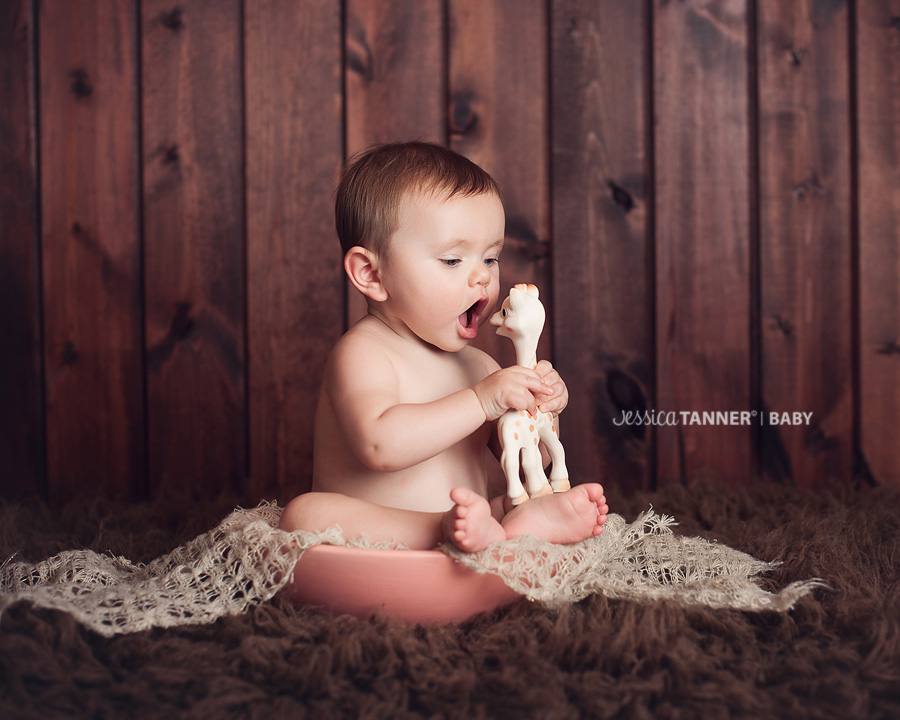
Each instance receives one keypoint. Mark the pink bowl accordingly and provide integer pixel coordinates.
(415, 585)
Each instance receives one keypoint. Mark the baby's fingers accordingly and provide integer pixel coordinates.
(525, 386)
(536, 385)
(554, 405)
(547, 372)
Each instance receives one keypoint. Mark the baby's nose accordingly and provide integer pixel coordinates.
(481, 275)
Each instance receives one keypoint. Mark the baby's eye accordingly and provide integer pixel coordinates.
(490, 262)
(451, 262)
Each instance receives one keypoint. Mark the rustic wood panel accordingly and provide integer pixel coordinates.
(295, 308)
(805, 251)
(702, 236)
(498, 118)
(194, 249)
(600, 190)
(91, 249)
(679, 179)
(878, 92)
(394, 80)
(21, 393)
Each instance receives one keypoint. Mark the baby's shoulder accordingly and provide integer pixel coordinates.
(478, 362)
(360, 348)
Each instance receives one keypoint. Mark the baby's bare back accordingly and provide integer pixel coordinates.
(371, 366)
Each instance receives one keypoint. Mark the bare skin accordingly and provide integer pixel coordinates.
(561, 518)
(408, 408)
(470, 524)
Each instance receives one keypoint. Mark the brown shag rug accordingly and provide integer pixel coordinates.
(836, 655)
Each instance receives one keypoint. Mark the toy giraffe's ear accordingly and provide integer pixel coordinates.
(362, 267)
(515, 296)
(526, 289)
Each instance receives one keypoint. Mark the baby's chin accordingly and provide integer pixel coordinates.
(446, 343)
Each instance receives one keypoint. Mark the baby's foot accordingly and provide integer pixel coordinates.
(565, 517)
(470, 525)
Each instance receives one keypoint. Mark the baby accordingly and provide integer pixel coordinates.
(406, 420)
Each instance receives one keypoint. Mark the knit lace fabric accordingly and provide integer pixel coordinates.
(246, 560)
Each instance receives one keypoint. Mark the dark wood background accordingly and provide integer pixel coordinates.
(707, 193)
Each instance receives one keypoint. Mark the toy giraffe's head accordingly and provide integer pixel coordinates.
(521, 317)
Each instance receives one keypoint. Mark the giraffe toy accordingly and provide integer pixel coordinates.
(521, 318)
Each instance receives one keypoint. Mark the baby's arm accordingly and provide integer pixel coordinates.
(389, 435)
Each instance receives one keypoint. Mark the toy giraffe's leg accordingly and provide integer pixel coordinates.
(559, 473)
(535, 479)
(509, 460)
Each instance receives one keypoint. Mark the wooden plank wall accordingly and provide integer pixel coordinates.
(707, 194)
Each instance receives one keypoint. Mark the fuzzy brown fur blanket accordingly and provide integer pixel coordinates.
(836, 655)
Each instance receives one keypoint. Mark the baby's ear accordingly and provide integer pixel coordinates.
(361, 266)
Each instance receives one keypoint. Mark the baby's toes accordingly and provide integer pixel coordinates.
(594, 492)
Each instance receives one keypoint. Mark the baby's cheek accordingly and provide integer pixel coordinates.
(493, 293)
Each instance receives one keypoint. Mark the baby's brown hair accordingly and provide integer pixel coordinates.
(373, 183)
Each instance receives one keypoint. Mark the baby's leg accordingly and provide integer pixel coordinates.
(317, 511)
(564, 517)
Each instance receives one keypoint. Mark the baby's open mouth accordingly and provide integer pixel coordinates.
(470, 319)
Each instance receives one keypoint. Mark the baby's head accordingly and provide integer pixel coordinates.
(373, 184)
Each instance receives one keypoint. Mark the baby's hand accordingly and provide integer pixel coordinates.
(554, 402)
(512, 388)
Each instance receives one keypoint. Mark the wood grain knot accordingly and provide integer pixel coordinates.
(526, 242)
(170, 155)
(69, 356)
(817, 442)
(890, 348)
(182, 322)
(359, 56)
(782, 324)
(808, 188)
(626, 396)
(80, 84)
(462, 115)
(173, 19)
(621, 197)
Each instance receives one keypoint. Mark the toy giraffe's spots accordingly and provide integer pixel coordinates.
(535, 441)
(531, 428)
(515, 436)
(518, 422)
